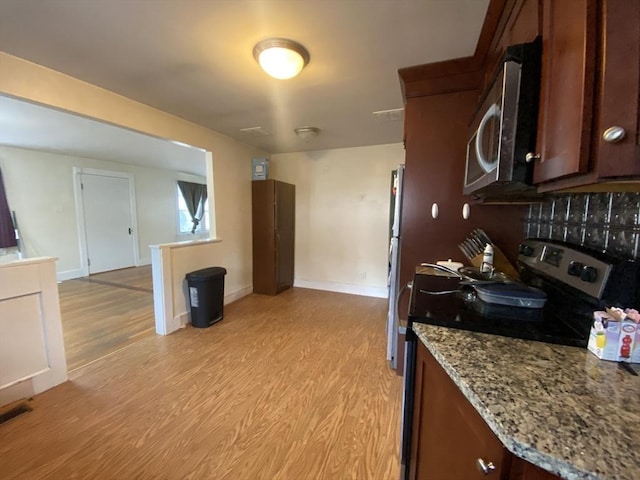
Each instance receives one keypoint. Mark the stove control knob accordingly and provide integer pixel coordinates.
(526, 250)
(575, 269)
(589, 274)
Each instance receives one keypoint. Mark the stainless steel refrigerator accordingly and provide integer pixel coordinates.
(394, 264)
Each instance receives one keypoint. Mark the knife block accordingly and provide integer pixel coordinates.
(500, 263)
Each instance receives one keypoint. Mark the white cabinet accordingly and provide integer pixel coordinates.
(32, 357)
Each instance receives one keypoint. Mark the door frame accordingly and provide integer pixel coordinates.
(82, 232)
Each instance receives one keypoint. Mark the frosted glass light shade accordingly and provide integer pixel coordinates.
(281, 58)
(307, 133)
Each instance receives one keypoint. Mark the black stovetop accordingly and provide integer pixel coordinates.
(563, 320)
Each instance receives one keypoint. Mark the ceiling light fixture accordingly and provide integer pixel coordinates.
(280, 57)
(307, 133)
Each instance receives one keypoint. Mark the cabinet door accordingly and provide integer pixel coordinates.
(523, 470)
(566, 95)
(285, 212)
(619, 92)
(449, 436)
(263, 225)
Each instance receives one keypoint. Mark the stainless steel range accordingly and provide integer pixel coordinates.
(572, 281)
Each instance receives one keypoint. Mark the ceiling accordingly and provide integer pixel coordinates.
(25, 125)
(193, 58)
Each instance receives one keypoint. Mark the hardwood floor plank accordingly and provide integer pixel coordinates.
(104, 313)
(291, 386)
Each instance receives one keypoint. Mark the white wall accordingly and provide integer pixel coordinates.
(228, 175)
(342, 215)
(40, 189)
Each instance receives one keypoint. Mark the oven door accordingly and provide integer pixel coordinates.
(410, 351)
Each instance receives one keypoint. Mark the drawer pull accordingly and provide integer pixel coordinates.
(485, 467)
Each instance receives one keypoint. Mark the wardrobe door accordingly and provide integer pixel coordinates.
(285, 208)
(263, 224)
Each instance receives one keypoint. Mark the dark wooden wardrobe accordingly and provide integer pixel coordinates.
(273, 215)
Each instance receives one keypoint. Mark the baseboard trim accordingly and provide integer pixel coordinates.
(238, 294)
(69, 275)
(379, 292)
(182, 319)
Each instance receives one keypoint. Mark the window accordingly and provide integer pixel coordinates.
(192, 203)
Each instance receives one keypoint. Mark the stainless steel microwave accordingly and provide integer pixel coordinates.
(503, 129)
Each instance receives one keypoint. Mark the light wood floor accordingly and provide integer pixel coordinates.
(105, 312)
(288, 387)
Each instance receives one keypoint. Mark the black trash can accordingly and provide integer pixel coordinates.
(206, 295)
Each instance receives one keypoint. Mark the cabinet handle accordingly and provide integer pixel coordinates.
(613, 134)
(530, 157)
(484, 468)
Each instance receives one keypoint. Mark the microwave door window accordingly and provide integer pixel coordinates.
(474, 172)
(488, 139)
(489, 128)
(482, 150)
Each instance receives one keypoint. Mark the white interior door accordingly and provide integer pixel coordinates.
(107, 220)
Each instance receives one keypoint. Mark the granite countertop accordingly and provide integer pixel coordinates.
(560, 408)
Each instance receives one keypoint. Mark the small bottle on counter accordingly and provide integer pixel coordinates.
(487, 259)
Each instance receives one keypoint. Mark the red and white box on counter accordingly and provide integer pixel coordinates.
(615, 335)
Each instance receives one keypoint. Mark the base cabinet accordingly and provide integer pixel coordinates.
(273, 222)
(523, 470)
(450, 439)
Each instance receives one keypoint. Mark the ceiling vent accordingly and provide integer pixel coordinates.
(394, 115)
(256, 131)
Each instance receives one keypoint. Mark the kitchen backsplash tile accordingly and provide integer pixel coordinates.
(605, 221)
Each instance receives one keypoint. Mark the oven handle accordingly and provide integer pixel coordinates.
(407, 402)
(405, 287)
(488, 167)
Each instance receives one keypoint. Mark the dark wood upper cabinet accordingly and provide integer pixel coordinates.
(618, 92)
(590, 91)
(273, 222)
(519, 23)
(566, 96)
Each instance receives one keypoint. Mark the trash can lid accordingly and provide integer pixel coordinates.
(206, 273)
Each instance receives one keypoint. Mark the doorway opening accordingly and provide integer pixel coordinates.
(105, 312)
(44, 177)
(111, 305)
